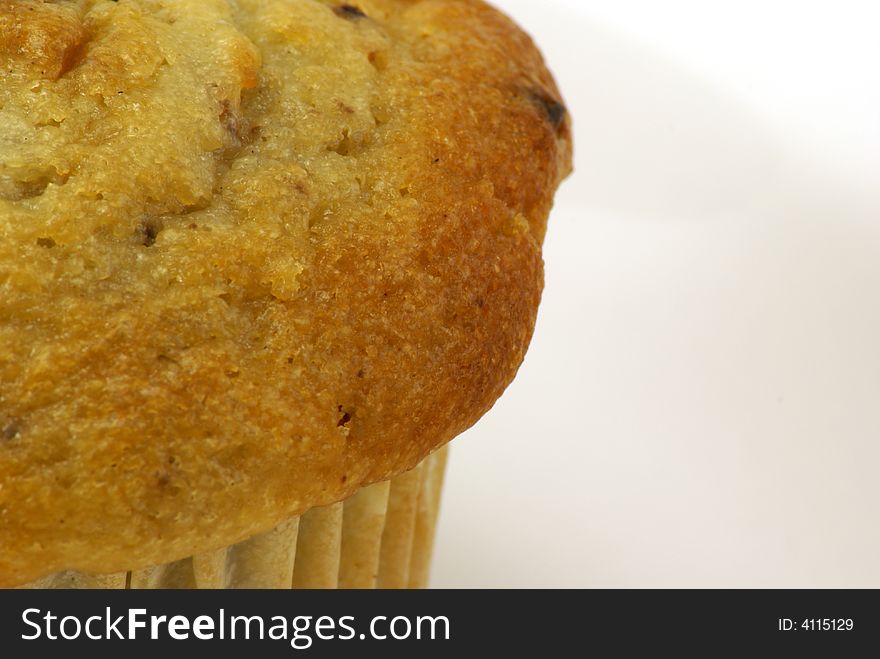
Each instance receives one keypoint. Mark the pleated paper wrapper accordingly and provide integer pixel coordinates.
(380, 537)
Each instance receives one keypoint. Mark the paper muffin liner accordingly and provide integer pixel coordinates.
(380, 537)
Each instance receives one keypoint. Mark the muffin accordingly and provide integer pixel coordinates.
(261, 260)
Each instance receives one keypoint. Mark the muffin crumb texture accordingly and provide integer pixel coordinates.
(254, 255)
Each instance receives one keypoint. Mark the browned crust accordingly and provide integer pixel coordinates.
(139, 426)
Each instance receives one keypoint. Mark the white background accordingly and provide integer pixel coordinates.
(701, 403)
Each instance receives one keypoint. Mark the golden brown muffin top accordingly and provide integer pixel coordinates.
(254, 254)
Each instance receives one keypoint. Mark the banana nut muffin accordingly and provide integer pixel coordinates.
(254, 255)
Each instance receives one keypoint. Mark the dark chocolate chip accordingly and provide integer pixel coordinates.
(148, 230)
(554, 110)
(349, 11)
(10, 431)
